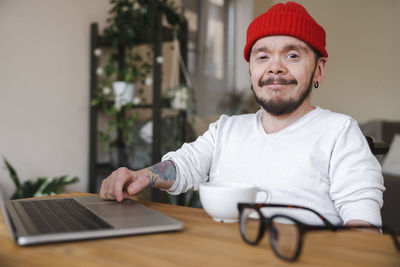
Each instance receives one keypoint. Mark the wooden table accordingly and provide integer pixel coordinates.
(203, 242)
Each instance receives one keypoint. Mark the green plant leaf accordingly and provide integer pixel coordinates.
(95, 102)
(193, 198)
(131, 121)
(13, 174)
(55, 185)
(30, 187)
(45, 186)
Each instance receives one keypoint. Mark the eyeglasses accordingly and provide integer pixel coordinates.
(286, 233)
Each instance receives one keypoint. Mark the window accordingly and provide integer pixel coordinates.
(210, 51)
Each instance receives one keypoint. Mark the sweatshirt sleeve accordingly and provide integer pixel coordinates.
(193, 161)
(356, 178)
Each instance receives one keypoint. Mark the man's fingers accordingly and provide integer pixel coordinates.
(122, 183)
(107, 186)
(104, 189)
(110, 185)
(121, 178)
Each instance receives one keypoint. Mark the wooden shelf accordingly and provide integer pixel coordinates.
(162, 34)
(167, 35)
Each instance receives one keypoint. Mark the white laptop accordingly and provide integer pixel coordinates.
(39, 221)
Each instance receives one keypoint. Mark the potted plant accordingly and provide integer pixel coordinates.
(41, 186)
(130, 23)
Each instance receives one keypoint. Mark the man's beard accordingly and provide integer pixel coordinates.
(282, 107)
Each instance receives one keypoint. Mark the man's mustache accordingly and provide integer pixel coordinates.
(279, 80)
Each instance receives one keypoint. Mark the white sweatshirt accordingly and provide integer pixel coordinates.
(322, 161)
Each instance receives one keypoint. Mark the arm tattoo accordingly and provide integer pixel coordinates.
(152, 179)
(164, 170)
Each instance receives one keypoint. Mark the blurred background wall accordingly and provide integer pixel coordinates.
(44, 87)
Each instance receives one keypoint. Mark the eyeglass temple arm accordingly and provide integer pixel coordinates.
(336, 228)
(265, 205)
(393, 235)
(326, 222)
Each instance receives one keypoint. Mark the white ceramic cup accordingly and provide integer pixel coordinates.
(220, 200)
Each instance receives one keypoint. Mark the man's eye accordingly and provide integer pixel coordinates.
(293, 56)
(262, 57)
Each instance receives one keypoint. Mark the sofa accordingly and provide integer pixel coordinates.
(391, 198)
(384, 132)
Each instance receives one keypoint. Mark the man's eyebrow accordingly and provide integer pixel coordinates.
(289, 47)
(301, 48)
(259, 49)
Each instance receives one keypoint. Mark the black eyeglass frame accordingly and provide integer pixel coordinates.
(265, 223)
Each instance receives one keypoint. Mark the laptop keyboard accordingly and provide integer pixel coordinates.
(62, 215)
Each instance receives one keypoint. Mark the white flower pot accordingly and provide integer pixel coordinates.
(123, 92)
(180, 99)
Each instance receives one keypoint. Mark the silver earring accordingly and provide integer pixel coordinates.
(316, 84)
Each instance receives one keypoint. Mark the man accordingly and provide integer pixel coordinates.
(302, 154)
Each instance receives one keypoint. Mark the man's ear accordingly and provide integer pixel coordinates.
(320, 69)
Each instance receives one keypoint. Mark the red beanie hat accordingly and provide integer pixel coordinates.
(289, 19)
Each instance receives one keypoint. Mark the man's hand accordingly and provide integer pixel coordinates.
(361, 223)
(123, 183)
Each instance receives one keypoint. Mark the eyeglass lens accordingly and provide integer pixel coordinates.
(284, 237)
(284, 233)
(250, 225)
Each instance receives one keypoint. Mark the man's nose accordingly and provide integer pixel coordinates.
(276, 66)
